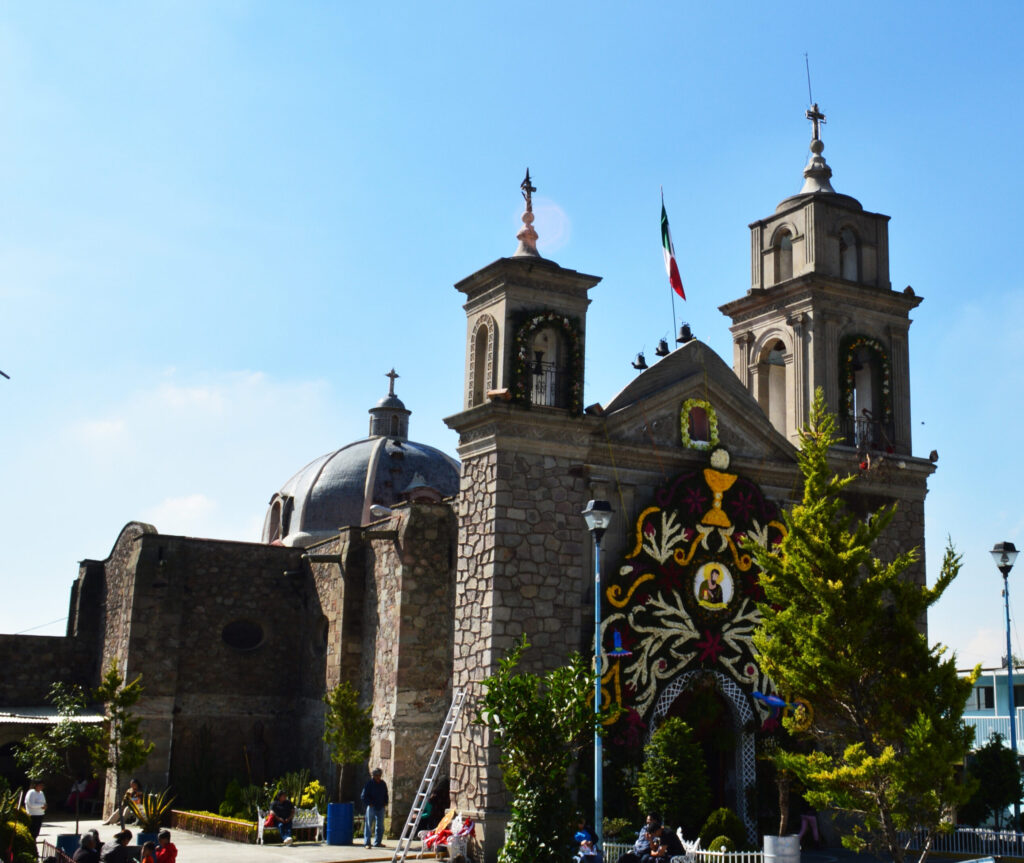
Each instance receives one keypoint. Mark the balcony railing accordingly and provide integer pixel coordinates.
(866, 433)
(985, 725)
(548, 385)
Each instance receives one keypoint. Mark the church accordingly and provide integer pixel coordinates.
(392, 565)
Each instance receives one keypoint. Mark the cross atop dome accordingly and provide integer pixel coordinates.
(392, 374)
(817, 173)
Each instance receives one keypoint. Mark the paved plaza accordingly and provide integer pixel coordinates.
(193, 848)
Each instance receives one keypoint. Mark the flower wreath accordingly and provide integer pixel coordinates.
(684, 424)
(531, 322)
(846, 375)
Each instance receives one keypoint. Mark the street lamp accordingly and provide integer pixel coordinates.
(1005, 554)
(598, 515)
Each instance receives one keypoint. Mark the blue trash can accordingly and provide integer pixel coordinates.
(68, 843)
(340, 818)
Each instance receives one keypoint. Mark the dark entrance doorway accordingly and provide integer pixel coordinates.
(709, 714)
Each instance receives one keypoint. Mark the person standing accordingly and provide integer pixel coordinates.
(375, 799)
(35, 805)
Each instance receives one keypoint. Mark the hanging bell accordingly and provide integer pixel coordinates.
(684, 335)
(662, 349)
(640, 362)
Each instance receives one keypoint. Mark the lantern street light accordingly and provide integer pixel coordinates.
(598, 515)
(1005, 554)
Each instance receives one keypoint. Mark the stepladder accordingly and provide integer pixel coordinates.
(430, 775)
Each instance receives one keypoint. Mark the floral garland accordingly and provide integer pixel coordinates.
(684, 424)
(531, 322)
(846, 374)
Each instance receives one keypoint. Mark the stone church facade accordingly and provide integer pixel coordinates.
(388, 564)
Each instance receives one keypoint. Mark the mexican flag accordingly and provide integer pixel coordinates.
(670, 254)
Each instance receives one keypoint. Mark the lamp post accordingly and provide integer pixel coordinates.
(1005, 554)
(598, 515)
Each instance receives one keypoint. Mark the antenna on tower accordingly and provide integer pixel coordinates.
(807, 65)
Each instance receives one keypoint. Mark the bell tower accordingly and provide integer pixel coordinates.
(821, 312)
(526, 326)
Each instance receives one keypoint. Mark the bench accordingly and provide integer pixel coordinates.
(303, 819)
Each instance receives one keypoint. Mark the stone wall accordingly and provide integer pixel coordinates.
(32, 663)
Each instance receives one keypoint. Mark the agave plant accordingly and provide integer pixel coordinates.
(151, 811)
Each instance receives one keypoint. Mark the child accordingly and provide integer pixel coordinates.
(148, 853)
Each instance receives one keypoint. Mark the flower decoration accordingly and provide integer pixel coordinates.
(846, 373)
(530, 323)
(684, 424)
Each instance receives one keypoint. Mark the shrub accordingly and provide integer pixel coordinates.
(723, 822)
(673, 778)
(615, 826)
(722, 843)
(232, 806)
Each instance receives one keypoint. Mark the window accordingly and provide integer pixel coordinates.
(480, 365)
(546, 368)
(395, 425)
(242, 634)
(984, 698)
(784, 257)
(848, 258)
(771, 384)
(700, 428)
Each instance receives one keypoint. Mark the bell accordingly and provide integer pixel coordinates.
(684, 335)
(662, 349)
(640, 362)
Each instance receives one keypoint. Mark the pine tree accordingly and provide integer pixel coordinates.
(673, 778)
(347, 728)
(840, 628)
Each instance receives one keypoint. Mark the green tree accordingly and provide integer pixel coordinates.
(539, 723)
(347, 728)
(117, 744)
(998, 777)
(673, 779)
(52, 753)
(840, 628)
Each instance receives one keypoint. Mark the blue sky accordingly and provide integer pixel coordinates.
(222, 223)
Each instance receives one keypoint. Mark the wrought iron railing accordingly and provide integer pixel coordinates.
(547, 388)
(866, 433)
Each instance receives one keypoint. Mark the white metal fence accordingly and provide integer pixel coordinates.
(971, 842)
(984, 725)
(613, 850)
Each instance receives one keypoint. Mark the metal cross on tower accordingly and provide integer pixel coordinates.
(816, 117)
(528, 190)
(391, 388)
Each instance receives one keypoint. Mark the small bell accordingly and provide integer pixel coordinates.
(662, 349)
(640, 362)
(684, 335)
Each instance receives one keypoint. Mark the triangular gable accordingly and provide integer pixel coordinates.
(648, 408)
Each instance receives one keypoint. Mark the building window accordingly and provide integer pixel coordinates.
(783, 257)
(984, 698)
(771, 384)
(481, 360)
(242, 634)
(395, 425)
(546, 368)
(848, 258)
(698, 424)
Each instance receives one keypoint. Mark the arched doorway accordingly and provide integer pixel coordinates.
(729, 752)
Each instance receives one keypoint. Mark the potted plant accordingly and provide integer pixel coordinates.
(150, 814)
(347, 729)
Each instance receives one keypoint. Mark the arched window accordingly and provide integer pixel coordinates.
(274, 530)
(480, 365)
(546, 368)
(771, 384)
(698, 424)
(866, 404)
(395, 425)
(848, 258)
(783, 257)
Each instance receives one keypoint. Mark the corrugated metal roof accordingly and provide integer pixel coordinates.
(42, 716)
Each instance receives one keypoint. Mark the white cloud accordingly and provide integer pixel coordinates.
(98, 431)
(189, 515)
(986, 646)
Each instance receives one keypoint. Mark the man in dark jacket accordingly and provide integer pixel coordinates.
(375, 799)
(284, 811)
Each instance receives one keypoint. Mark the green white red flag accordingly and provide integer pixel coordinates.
(670, 254)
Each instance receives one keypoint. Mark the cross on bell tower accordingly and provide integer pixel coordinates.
(816, 117)
(392, 374)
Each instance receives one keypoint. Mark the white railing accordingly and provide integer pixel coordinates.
(971, 841)
(613, 850)
(984, 725)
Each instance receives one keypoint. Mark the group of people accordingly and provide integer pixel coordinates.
(655, 843)
(91, 849)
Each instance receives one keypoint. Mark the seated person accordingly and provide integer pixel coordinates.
(585, 842)
(283, 811)
(87, 851)
(134, 794)
(654, 842)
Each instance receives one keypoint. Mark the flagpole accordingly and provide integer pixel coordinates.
(672, 293)
(671, 290)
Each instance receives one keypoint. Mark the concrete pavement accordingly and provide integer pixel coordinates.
(193, 848)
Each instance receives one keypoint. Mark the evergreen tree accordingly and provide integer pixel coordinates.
(347, 728)
(840, 628)
(539, 723)
(117, 744)
(673, 779)
(998, 777)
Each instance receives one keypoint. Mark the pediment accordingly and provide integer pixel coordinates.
(647, 410)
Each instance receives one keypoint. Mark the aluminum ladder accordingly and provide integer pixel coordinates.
(444, 740)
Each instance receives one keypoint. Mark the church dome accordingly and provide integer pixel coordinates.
(338, 489)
